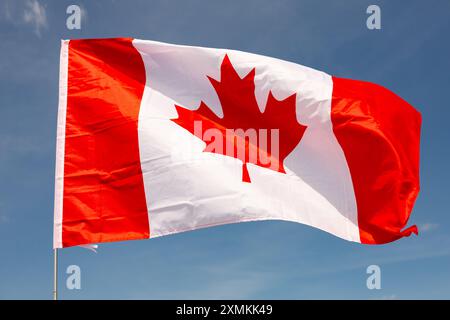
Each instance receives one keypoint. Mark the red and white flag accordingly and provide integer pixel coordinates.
(156, 138)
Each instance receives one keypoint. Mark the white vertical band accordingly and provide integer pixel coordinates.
(60, 144)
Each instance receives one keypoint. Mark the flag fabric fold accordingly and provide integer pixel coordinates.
(155, 139)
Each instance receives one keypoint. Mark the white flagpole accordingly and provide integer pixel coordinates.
(55, 274)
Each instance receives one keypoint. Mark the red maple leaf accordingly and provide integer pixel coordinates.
(277, 129)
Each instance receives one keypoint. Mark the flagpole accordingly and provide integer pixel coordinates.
(55, 274)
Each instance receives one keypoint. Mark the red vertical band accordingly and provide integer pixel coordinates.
(104, 197)
(379, 133)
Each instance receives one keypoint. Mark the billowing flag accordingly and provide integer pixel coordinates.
(155, 139)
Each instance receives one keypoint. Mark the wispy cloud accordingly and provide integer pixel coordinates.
(35, 16)
(30, 13)
(400, 254)
(426, 227)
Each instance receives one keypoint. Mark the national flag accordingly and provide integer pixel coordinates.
(155, 139)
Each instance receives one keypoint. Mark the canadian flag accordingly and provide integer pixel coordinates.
(155, 139)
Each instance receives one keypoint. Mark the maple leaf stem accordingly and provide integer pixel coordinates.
(245, 174)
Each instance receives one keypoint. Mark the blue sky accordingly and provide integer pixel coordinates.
(261, 260)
